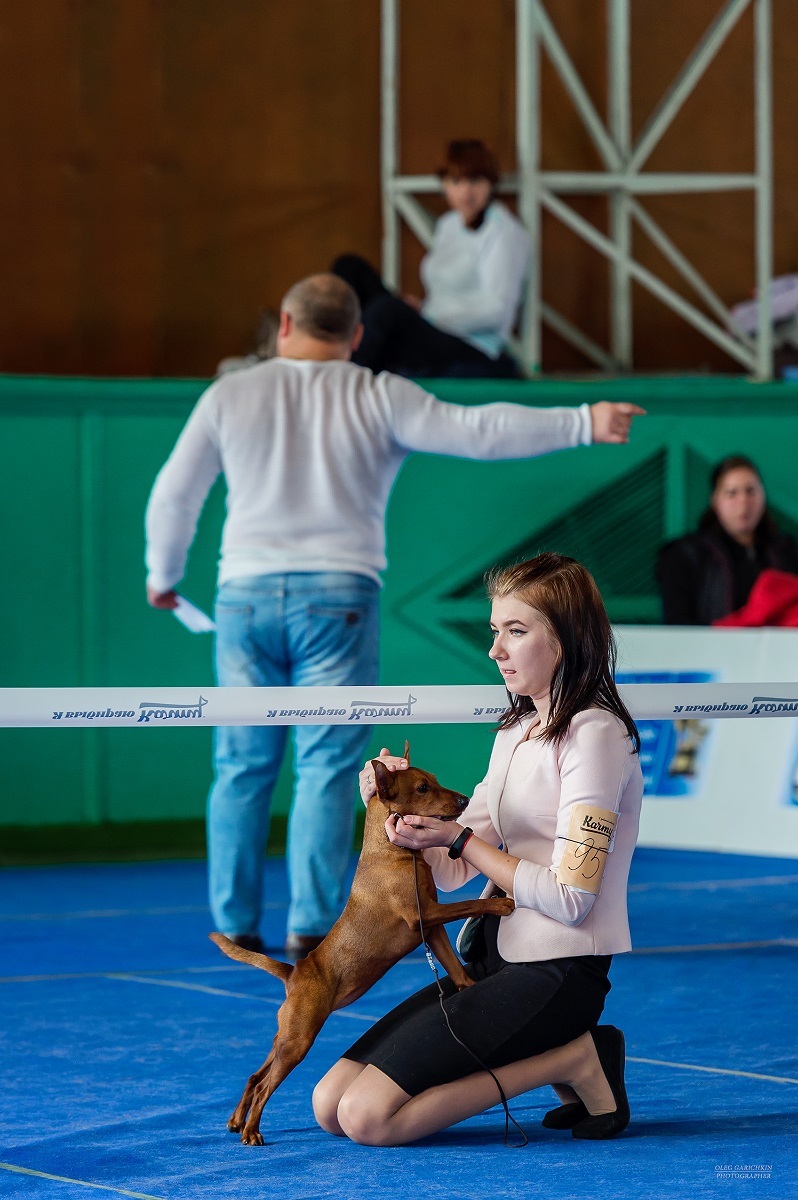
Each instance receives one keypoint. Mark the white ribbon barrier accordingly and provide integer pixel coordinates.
(62, 708)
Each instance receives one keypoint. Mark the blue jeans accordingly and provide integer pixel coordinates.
(298, 629)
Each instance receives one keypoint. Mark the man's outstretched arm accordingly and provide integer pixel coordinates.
(420, 421)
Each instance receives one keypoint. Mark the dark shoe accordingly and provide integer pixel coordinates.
(299, 945)
(610, 1047)
(566, 1116)
(249, 941)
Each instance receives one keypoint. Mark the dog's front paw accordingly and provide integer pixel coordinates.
(501, 906)
(234, 1125)
(252, 1137)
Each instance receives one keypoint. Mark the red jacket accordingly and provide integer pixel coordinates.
(773, 601)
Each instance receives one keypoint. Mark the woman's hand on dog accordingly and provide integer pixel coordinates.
(412, 832)
(368, 787)
(421, 833)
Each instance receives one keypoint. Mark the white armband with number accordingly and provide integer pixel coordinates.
(587, 844)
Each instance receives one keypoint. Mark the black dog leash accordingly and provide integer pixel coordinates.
(508, 1116)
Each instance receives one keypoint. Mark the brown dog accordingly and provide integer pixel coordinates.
(378, 927)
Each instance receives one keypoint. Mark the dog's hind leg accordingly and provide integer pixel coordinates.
(239, 1117)
(299, 1020)
(237, 1120)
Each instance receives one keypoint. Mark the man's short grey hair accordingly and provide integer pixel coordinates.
(324, 307)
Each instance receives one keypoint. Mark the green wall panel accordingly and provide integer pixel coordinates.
(41, 602)
(43, 779)
(78, 460)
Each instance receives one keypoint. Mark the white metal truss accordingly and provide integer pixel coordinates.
(623, 180)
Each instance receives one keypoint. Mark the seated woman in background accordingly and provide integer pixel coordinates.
(473, 277)
(709, 574)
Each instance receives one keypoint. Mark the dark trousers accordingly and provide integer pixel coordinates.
(397, 338)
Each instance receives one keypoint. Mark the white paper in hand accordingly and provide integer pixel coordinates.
(192, 617)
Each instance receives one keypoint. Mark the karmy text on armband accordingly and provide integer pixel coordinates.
(587, 844)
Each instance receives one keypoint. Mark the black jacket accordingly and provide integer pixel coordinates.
(705, 576)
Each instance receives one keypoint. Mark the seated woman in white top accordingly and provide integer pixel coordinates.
(553, 825)
(473, 276)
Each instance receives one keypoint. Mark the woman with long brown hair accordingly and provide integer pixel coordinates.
(553, 825)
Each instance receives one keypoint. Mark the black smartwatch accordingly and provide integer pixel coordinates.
(458, 845)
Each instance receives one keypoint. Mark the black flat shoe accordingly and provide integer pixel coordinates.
(249, 941)
(610, 1047)
(299, 945)
(566, 1116)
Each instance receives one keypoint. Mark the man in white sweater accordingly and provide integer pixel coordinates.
(310, 446)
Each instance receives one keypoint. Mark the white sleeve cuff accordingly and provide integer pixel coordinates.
(158, 583)
(586, 426)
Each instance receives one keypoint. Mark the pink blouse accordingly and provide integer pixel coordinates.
(525, 803)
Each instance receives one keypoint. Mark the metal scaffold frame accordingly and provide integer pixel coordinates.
(622, 179)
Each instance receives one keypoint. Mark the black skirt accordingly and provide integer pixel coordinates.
(513, 1011)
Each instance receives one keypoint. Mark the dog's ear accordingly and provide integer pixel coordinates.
(407, 752)
(383, 778)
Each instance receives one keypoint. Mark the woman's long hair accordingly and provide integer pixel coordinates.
(565, 594)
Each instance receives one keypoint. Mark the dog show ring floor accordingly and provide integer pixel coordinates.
(127, 1038)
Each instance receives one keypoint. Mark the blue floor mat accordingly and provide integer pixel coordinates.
(127, 1038)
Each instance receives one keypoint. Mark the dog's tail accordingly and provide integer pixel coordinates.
(273, 965)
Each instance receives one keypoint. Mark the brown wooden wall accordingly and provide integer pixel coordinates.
(172, 166)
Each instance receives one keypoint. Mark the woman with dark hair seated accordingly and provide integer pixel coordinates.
(709, 574)
(473, 277)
